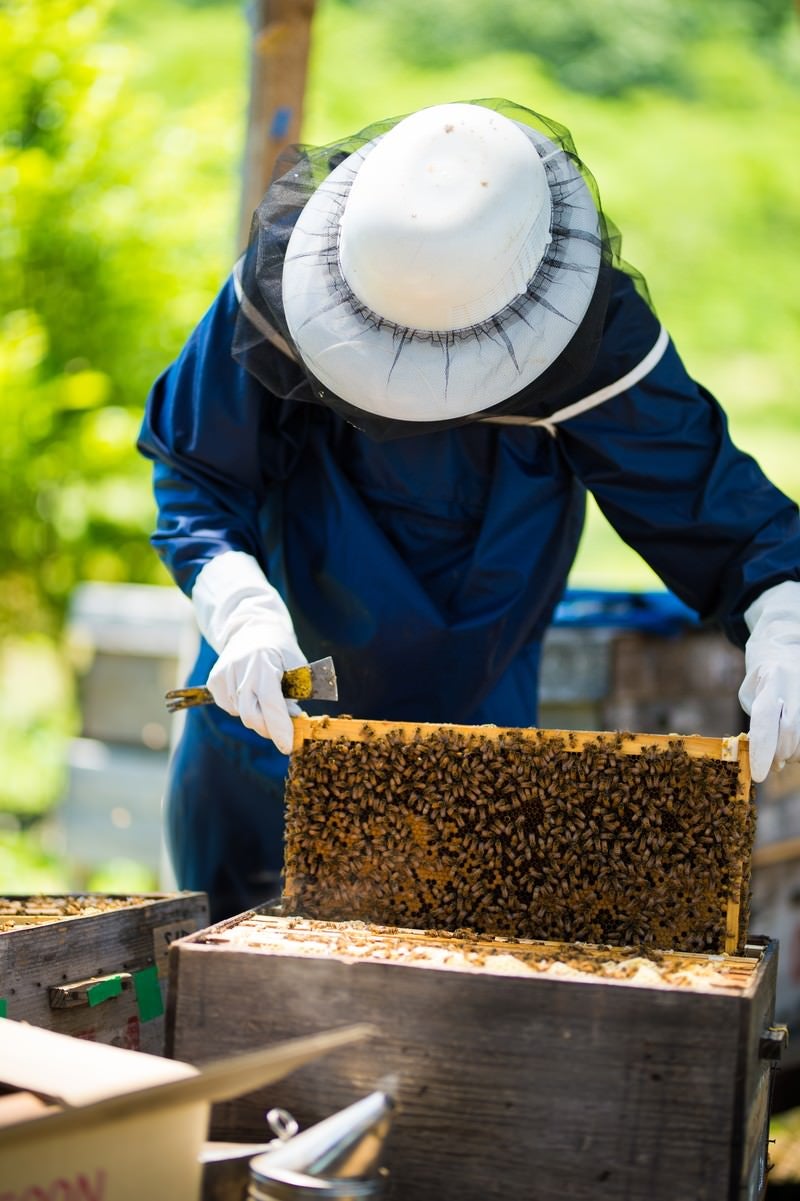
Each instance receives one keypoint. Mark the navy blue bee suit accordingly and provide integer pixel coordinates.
(428, 566)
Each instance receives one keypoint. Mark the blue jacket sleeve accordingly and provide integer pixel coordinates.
(205, 427)
(661, 464)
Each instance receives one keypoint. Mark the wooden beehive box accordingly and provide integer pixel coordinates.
(522, 1069)
(94, 966)
(607, 838)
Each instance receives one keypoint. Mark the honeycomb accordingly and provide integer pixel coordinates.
(527, 837)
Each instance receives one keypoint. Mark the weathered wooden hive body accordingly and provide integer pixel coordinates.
(549, 931)
(93, 966)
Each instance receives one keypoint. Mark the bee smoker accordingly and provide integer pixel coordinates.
(336, 1159)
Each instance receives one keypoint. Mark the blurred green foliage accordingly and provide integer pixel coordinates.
(604, 48)
(94, 244)
(117, 213)
(72, 297)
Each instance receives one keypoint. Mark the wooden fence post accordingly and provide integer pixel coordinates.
(281, 35)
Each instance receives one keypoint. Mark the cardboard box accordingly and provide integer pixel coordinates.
(524, 1069)
(99, 1123)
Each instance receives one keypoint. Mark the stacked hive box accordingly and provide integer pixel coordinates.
(128, 642)
(602, 677)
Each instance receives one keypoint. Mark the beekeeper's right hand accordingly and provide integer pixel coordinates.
(244, 618)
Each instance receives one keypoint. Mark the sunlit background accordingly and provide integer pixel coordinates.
(123, 129)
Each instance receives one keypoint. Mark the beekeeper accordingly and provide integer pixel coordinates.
(376, 445)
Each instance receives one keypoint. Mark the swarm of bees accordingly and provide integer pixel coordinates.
(519, 837)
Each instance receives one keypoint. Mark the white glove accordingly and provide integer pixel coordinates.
(247, 623)
(771, 689)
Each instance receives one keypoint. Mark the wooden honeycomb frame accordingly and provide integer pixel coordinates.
(620, 839)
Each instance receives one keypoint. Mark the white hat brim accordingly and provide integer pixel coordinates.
(423, 375)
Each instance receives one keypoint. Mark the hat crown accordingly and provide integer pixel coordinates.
(447, 219)
(494, 314)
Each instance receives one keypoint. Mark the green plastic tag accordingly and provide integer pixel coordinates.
(148, 993)
(3, 1007)
(97, 993)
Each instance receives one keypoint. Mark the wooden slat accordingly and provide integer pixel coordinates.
(248, 929)
(734, 933)
(359, 730)
(79, 992)
(777, 852)
(732, 914)
(13, 921)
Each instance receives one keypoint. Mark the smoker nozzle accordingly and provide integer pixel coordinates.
(337, 1158)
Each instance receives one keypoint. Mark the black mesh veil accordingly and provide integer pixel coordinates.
(261, 323)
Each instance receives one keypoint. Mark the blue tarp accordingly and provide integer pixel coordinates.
(658, 612)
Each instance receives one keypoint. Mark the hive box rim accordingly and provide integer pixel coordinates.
(757, 951)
